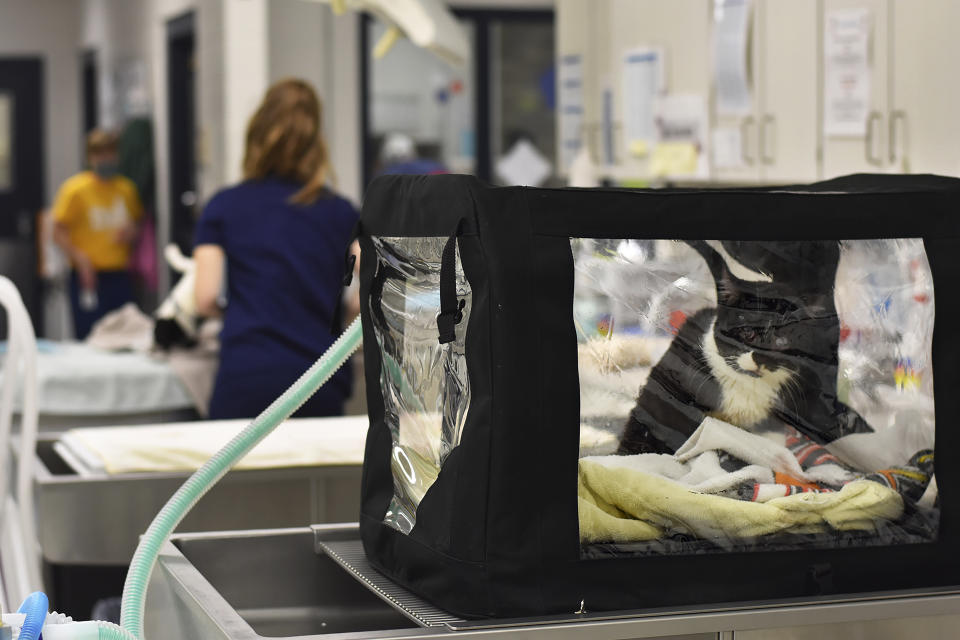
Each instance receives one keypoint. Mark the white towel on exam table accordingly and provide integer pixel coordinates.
(185, 446)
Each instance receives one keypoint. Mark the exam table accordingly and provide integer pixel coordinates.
(82, 385)
(90, 515)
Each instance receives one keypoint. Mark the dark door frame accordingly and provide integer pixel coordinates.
(89, 92)
(24, 76)
(481, 18)
(181, 118)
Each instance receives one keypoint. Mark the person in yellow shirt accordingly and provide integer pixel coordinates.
(96, 215)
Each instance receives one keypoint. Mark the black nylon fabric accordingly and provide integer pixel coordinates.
(497, 534)
(452, 514)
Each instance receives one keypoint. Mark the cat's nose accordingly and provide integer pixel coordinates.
(746, 362)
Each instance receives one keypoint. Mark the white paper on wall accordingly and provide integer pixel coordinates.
(731, 73)
(570, 107)
(642, 80)
(846, 78)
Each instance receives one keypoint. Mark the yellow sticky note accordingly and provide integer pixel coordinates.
(673, 158)
(639, 148)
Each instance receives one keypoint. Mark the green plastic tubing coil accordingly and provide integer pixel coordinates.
(109, 631)
(172, 513)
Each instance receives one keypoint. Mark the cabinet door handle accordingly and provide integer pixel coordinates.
(588, 138)
(896, 115)
(745, 125)
(874, 159)
(615, 127)
(769, 125)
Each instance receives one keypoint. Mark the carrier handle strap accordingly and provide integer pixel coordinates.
(349, 261)
(451, 309)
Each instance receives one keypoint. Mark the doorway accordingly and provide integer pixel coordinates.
(463, 119)
(181, 109)
(21, 176)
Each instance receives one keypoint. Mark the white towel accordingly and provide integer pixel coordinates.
(184, 446)
(717, 435)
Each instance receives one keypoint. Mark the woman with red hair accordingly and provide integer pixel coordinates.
(277, 240)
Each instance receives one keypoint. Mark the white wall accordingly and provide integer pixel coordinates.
(307, 41)
(344, 119)
(245, 60)
(119, 32)
(211, 127)
(299, 38)
(48, 29)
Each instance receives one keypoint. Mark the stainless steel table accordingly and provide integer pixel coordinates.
(88, 524)
(251, 585)
(96, 519)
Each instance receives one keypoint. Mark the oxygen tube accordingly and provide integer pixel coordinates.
(176, 509)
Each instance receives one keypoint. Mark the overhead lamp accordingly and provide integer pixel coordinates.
(426, 23)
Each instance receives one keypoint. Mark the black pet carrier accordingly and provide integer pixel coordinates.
(622, 399)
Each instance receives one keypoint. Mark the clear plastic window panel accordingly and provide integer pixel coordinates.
(744, 395)
(426, 391)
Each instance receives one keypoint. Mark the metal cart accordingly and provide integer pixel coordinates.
(313, 583)
(89, 523)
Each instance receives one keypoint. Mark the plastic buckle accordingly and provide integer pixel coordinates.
(446, 323)
(348, 274)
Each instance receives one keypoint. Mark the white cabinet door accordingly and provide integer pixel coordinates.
(868, 152)
(925, 115)
(789, 87)
(748, 124)
(682, 29)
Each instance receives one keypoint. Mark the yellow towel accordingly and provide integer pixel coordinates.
(624, 505)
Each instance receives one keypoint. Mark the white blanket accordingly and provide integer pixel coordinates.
(696, 464)
(184, 446)
(75, 379)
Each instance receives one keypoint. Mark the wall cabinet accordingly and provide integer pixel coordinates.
(866, 152)
(923, 122)
(788, 85)
(779, 136)
(912, 111)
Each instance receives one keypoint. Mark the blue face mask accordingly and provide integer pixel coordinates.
(106, 170)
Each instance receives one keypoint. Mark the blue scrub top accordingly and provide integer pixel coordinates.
(284, 269)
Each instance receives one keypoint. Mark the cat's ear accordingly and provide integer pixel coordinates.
(714, 260)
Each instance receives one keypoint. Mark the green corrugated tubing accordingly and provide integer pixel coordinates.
(145, 558)
(108, 631)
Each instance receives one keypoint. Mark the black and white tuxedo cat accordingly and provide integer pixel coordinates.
(766, 355)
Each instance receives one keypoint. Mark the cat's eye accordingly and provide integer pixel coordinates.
(781, 342)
